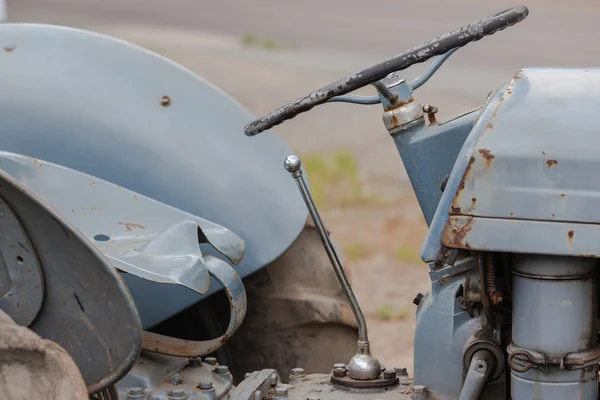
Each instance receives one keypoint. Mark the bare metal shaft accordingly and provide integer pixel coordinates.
(482, 364)
(331, 253)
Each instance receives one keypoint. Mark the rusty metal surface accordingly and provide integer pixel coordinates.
(433, 248)
(537, 157)
(87, 309)
(139, 235)
(505, 235)
(379, 382)
(441, 45)
(319, 386)
(234, 287)
(34, 368)
(21, 281)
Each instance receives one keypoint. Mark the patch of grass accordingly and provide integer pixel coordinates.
(355, 251)
(334, 180)
(249, 40)
(408, 254)
(388, 313)
(269, 44)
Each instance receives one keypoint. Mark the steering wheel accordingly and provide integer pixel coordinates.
(441, 45)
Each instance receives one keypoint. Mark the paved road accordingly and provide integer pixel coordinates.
(330, 39)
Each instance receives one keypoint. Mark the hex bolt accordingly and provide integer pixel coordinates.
(135, 393)
(339, 372)
(205, 385)
(274, 379)
(400, 371)
(339, 365)
(177, 395)
(430, 111)
(281, 391)
(210, 360)
(389, 374)
(176, 379)
(418, 299)
(194, 361)
(419, 389)
(222, 369)
(297, 372)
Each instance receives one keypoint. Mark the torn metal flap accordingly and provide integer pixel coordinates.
(122, 223)
(172, 256)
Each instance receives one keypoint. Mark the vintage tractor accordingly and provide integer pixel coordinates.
(113, 157)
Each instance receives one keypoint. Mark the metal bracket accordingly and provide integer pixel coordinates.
(521, 359)
(236, 293)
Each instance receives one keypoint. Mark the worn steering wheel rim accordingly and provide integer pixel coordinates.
(441, 45)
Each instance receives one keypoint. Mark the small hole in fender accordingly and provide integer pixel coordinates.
(102, 238)
(20, 259)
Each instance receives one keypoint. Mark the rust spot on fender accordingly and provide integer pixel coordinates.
(92, 183)
(489, 126)
(563, 195)
(487, 156)
(570, 235)
(455, 210)
(456, 231)
(543, 153)
(129, 226)
(551, 163)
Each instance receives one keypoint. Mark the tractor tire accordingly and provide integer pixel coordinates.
(297, 314)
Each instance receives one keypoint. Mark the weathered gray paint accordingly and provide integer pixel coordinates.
(93, 104)
(429, 153)
(442, 332)
(432, 249)
(555, 317)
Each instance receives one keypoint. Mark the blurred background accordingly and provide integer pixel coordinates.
(268, 52)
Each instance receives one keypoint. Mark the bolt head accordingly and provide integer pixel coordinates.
(419, 389)
(194, 361)
(339, 365)
(205, 385)
(274, 379)
(297, 372)
(281, 391)
(418, 298)
(135, 391)
(292, 163)
(210, 360)
(222, 369)
(389, 374)
(176, 379)
(177, 394)
(400, 371)
(248, 375)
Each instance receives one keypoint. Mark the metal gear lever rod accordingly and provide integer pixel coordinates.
(363, 365)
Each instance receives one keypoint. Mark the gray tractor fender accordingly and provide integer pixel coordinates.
(128, 116)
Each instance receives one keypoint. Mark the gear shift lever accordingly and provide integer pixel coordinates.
(363, 365)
